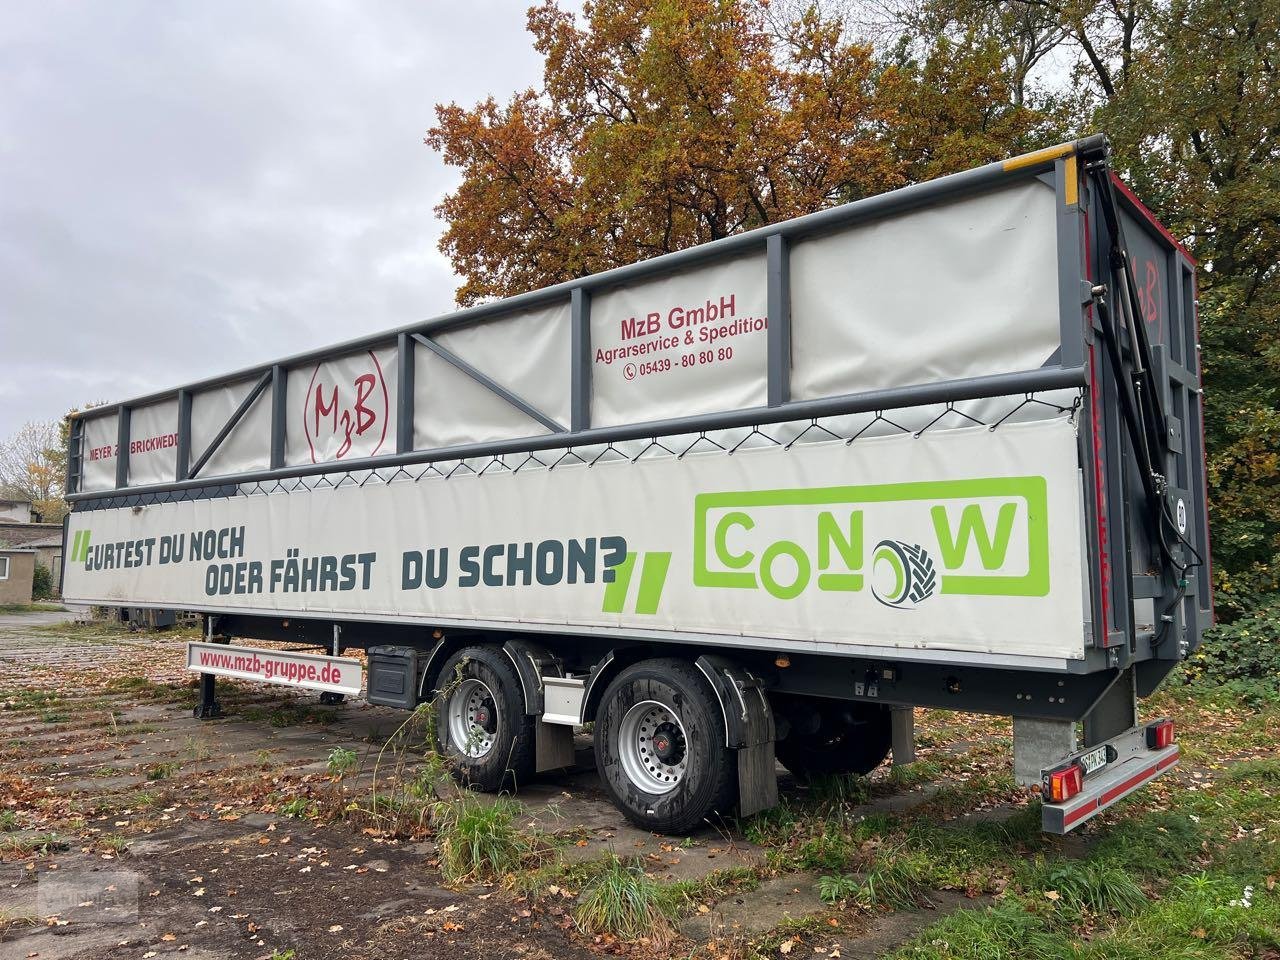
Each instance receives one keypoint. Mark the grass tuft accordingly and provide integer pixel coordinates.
(43, 844)
(839, 789)
(1094, 886)
(898, 881)
(622, 900)
(1003, 932)
(1154, 844)
(163, 770)
(10, 918)
(479, 841)
(114, 842)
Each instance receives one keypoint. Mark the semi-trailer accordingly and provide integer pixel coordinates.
(746, 503)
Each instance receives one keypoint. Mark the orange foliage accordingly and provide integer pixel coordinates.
(666, 123)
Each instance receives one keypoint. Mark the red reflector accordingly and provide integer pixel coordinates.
(1159, 734)
(1065, 782)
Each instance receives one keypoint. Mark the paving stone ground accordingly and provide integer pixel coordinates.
(203, 877)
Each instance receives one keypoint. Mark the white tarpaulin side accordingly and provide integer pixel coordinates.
(153, 443)
(248, 446)
(965, 540)
(527, 352)
(691, 342)
(342, 409)
(961, 289)
(98, 453)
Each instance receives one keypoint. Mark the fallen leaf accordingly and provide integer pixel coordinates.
(336, 928)
(786, 947)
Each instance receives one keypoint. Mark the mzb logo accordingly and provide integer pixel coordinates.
(978, 537)
(346, 409)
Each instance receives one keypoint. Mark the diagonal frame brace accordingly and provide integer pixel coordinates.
(230, 425)
(490, 384)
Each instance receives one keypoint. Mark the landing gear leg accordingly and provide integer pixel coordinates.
(208, 708)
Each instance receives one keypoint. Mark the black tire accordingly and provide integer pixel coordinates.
(708, 784)
(850, 738)
(509, 759)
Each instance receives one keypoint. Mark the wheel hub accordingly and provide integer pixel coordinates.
(483, 717)
(668, 743)
(652, 747)
(472, 718)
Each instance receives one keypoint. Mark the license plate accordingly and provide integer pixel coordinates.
(1094, 760)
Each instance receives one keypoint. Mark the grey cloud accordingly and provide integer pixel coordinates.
(192, 187)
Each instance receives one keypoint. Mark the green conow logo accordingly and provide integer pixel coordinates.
(911, 577)
(653, 576)
(961, 532)
(80, 547)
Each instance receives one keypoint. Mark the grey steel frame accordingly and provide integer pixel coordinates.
(775, 239)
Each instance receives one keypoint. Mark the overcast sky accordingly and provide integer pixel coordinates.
(195, 186)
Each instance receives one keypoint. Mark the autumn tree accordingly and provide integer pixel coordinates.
(1188, 92)
(1195, 115)
(33, 467)
(665, 123)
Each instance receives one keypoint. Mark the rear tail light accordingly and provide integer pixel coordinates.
(1159, 734)
(1065, 782)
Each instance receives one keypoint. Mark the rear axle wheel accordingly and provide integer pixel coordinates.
(829, 737)
(660, 747)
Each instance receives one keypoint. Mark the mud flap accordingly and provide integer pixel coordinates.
(749, 729)
(552, 746)
(553, 743)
